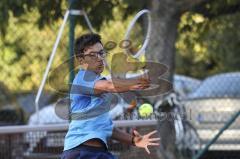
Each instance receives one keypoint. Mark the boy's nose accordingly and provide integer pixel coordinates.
(100, 57)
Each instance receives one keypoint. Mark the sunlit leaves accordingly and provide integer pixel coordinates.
(208, 46)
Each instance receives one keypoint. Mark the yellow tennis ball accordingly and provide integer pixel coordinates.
(145, 110)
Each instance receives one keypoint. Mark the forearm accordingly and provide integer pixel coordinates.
(122, 136)
(117, 85)
(122, 85)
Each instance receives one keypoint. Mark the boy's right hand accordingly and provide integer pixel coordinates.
(142, 82)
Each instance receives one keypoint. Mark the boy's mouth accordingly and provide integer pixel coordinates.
(100, 64)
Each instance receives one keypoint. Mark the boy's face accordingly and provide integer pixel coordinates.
(92, 59)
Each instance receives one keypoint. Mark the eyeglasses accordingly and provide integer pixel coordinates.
(95, 55)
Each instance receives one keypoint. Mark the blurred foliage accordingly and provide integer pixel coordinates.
(209, 39)
(25, 51)
(99, 11)
(26, 48)
(49, 10)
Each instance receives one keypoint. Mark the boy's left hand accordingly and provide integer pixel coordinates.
(145, 140)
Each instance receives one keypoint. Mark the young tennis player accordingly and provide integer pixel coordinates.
(91, 96)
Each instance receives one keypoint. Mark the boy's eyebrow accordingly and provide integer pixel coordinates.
(96, 51)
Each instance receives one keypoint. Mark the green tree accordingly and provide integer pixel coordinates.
(26, 47)
(166, 17)
(204, 33)
(209, 45)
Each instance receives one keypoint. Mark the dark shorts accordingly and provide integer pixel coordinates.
(87, 152)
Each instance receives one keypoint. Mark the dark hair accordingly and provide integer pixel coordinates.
(85, 41)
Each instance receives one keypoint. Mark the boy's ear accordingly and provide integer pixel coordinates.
(80, 60)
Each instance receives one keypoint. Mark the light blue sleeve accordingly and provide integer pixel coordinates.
(84, 83)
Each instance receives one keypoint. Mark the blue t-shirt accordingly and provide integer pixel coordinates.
(89, 112)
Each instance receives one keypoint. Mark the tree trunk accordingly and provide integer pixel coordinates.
(165, 19)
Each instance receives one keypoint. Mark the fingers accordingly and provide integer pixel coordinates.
(145, 79)
(140, 87)
(143, 82)
(154, 139)
(151, 133)
(153, 144)
(146, 148)
(144, 86)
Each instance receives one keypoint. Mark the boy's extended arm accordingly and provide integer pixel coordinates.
(117, 85)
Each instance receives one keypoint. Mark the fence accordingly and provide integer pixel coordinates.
(46, 141)
(212, 105)
(25, 52)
